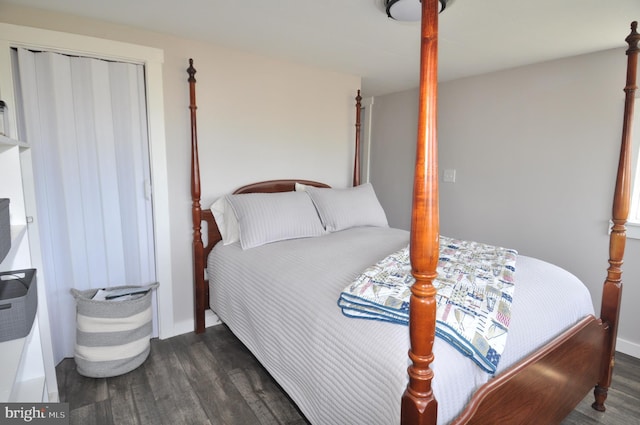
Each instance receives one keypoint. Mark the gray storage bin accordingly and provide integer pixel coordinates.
(18, 303)
(5, 229)
(112, 335)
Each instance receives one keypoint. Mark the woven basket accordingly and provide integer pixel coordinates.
(112, 337)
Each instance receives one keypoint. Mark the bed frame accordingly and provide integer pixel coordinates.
(542, 388)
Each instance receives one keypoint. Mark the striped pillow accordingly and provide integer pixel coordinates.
(270, 217)
(341, 209)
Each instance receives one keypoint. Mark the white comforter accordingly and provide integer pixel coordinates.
(280, 300)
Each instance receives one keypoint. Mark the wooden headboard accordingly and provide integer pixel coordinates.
(271, 186)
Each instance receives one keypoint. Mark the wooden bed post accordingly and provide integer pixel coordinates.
(356, 161)
(612, 291)
(196, 210)
(419, 405)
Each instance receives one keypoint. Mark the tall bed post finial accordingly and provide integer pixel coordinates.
(419, 405)
(612, 291)
(196, 210)
(356, 161)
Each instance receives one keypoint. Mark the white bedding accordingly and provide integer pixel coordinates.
(280, 300)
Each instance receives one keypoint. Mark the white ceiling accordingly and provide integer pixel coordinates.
(356, 37)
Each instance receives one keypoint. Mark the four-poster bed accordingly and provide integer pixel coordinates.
(541, 385)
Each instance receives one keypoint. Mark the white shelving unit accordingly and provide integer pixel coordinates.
(27, 372)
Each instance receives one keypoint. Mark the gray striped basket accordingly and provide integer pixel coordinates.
(112, 337)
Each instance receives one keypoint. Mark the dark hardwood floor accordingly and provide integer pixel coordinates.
(213, 379)
(623, 402)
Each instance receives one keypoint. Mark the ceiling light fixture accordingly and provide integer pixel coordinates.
(408, 10)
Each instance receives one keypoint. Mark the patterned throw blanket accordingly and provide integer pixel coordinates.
(475, 290)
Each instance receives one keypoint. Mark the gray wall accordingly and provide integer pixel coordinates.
(535, 150)
(392, 153)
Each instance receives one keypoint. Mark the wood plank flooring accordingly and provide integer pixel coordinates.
(213, 379)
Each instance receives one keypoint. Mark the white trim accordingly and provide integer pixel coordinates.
(365, 166)
(61, 42)
(160, 197)
(632, 229)
(634, 211)
(152, 59)
(628, 347)
(186, 326)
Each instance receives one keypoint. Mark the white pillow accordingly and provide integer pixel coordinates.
(341, 209)
(299, 187)
(271, 217)
(226, 220)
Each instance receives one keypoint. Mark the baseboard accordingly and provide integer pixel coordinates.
(628, 347)
(211, 319)
(186, 326)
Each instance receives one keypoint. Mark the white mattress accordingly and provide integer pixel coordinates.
(280, 300)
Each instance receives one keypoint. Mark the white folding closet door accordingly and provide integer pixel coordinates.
(86, 121)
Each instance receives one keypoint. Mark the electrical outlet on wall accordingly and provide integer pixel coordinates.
(449, 175)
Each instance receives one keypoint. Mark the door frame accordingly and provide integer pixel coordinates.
(12, 36)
